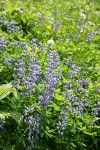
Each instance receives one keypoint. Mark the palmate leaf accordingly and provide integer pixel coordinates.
(6, 89)
(17, 116)
(9, 6)
(6, 145)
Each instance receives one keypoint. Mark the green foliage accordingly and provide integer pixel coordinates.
(5, 90)
(73, 29)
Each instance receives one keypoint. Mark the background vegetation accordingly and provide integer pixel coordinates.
(49, 75)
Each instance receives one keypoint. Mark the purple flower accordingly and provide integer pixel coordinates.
(8, 61)
(96, 109)
(27, 77)
(2, 43)
(62, 123)
(11, 27)
(51, 79)
(32, 119)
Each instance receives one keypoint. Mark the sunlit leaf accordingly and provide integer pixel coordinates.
(6, 89)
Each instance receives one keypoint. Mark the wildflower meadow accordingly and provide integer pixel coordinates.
(49, 75)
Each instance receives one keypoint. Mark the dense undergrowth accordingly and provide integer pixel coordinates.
(49, 75)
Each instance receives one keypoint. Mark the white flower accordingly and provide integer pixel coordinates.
(19, 10)
(50, 42)
(91, 23)
(83, 16)
(2, 116)
(4, 13)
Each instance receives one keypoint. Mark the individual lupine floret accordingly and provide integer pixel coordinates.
(19, 44)
(22, 45)
(41, 47)
(1, 126)
(8, 61)
(68, 84)
(2, 118)
(69, 62)
(11, 27)
(96, 109)
(62, 123)
(33, 44)
(97, 89)
(33, 41)
(74, 72)
(2, 43)
(82, 82)
(56, 25)
(74, 69)
(41, 17)
(81, 86)
(15, 43)
(89, 36)
(1, 21)
(67, 37)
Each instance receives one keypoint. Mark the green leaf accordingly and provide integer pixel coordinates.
(59, 97)
(88, 133)
(6, 89)
(83, 144)
(64, 79)
(6, 145)
(9, 6)
(1, 68)
(83, 128)
(55, 106)
(17, 116)
(57, 90)
(91, 86)
(73, 145)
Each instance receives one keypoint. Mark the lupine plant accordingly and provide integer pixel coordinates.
(49, 75)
